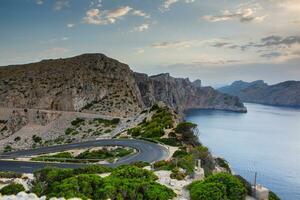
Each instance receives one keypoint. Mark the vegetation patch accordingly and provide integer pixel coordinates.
(87, 156)
(218, 187)
(13, 188)
(125, 182)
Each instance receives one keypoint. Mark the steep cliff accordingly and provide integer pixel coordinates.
(91, 81)
(282, 94)
(96, 83)
(182, 94)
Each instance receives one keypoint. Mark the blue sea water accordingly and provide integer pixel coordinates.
(265, 140)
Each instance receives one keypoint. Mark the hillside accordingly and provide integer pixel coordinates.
(96, 83)
(282, 94)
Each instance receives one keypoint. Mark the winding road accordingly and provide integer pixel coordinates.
(147, 151)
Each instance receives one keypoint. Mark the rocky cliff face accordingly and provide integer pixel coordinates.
(96, 83)
(91, 81)
(283, 94)
(182, 94)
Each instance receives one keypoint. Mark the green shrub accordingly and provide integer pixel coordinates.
(131, 172)
(179, 154)
(13, 188)
(36, 139)
(133, 189)
(7, 148)
(164, 165)
(92, 169)
(235, 190)
(140, 164)
(17, 139)
(44, 178)
(170, 141)
(8, 174)
(81, 186)
(209, 191)
(176, 174)
(77, 122)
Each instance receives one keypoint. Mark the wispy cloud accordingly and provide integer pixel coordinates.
(99, 17)
(39, 2)
(141, 28)
(168, 3)
(70, 25)
(61, 4)
(141, 14)
(173, 44)
(242, 15)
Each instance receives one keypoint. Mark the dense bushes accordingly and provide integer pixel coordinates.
(81, 186)
(125, 182)
(13, 188)
(133, 172)
(211, 191)
(219, 186)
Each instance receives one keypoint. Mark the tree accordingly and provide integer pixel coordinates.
(186, 129)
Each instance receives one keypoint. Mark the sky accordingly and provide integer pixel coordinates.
(217, 41)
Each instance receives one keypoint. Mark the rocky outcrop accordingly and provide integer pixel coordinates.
(182, 94)
(282, 94)
(98, 84)
(90, 81)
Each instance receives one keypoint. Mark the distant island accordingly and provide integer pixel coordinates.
(282, 94)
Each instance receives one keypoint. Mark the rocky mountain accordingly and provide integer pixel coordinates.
(90, 81)
(282, 94)
(96, 83)
(237, 86)
(182, 94)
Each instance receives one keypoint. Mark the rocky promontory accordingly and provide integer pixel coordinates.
(99, 84)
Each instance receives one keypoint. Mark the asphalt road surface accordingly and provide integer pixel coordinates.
(147, 151)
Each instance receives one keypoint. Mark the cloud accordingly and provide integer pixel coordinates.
(289, 5)
(220, 44)
(39, 2)
(242, 15)
(70, 25)
(99, 17)
(271, 55)
(61, 4)
(141, 28)
(274, 40)
(168, 3)
(140, 51)
(95, 3)
(141, 14)
(174, 44)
